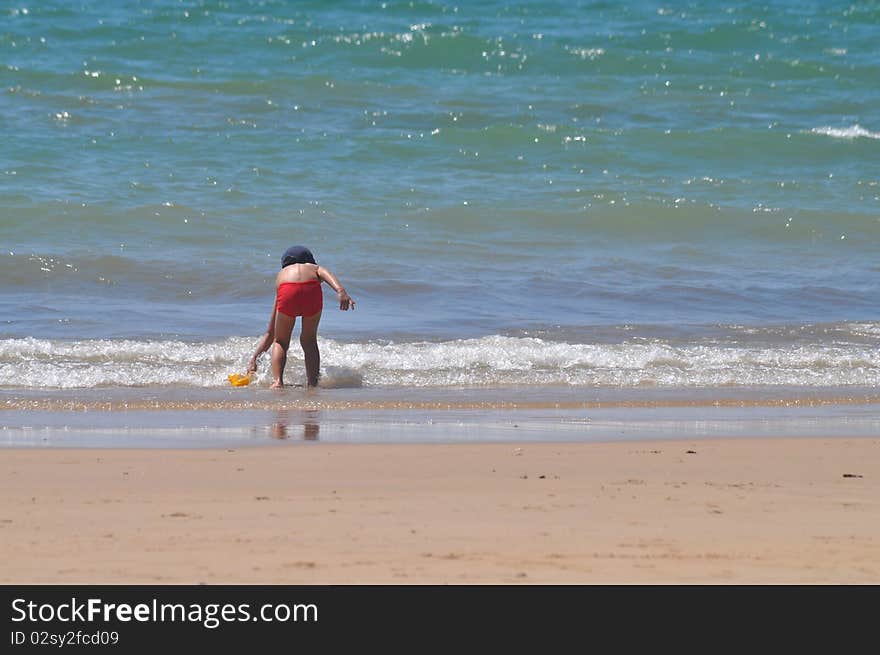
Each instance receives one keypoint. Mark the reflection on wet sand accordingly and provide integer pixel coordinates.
(281, 428)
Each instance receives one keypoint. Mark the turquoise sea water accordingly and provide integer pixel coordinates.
(583, 194)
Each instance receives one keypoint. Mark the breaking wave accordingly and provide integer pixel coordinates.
(495, 360)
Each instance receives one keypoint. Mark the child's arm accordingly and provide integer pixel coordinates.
(345, 301)
(264, 343)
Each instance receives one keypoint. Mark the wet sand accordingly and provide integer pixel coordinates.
(742, 510)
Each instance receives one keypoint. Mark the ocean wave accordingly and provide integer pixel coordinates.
(495, 360)
(851, 132)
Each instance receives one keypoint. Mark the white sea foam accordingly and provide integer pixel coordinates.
(586, 53)
(486, 361)
(852, 132)
(864, 329)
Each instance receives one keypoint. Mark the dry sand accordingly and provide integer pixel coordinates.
(704, 511)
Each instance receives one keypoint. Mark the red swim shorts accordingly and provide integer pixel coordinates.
(300, 298)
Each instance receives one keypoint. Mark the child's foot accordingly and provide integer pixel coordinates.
(277, 385)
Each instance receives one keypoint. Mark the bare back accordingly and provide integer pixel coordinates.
(297, 273)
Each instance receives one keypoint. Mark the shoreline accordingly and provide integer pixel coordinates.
(691, 511)
(182, 429)
(183, 418)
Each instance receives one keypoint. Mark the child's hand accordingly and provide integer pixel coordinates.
(345, 301)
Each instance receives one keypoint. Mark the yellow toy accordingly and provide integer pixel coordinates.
(237, 380)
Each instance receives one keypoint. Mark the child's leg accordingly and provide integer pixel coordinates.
(308, 339)
(283, 328)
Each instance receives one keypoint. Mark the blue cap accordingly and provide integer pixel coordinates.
(297, 255)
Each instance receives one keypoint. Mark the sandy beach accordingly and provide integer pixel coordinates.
(713, 511)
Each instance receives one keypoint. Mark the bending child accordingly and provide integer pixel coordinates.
(298, 292)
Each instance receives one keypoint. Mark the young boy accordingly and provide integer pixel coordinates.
(298, 292)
